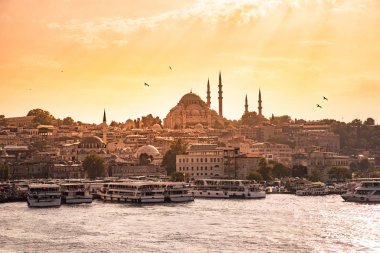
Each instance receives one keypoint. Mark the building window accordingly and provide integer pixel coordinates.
(179, 160)
(205, 160)
(201, 160)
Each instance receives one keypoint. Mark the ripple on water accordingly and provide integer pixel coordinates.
(279, 223)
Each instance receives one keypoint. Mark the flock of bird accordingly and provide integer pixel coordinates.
(318, 105)
(324, 98)
(147, 85)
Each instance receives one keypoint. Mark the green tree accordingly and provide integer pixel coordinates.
(169, 160)
(177, 177)
(280, 171)
(94, 166)
(2, 120)
(265, 170)
(315, 176)
(149, 120)
(68, 121)
(299, 171)
(41, 117)
(339, 173)
(364, 165)
(4, 172)
(369, 122)
(145, 159)
(254, 176)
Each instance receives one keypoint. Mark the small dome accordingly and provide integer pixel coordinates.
(198, 127)
(156, 127)
(91, 142)
(147, 149)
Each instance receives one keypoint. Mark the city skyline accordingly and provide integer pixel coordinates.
(77, 58)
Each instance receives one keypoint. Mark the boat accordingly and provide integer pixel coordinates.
(134, 192)
(369, 191)
(221, 188)
(315, 189)
(75, 193)
(177, 192)
(43, 195)
(145, 192)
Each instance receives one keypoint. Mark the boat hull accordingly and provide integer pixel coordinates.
(361, 198)
(44, 202)
(76, 200)
(181, 198)
(229, 195)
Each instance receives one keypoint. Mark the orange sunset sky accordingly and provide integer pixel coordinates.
(74, 58)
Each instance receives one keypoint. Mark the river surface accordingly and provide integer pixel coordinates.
(279, 223)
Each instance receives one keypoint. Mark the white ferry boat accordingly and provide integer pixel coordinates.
(218, 188)
(369, 191)
(145, 192)
(135, 192)
(75, 193)
(43, 195)
(316, 189)
(177, 192)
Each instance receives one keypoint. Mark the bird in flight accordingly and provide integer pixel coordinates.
(146, 84)
(319, 106)
(170, 67)
(325, 98)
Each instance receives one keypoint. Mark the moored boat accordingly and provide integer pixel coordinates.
(315, 189)
(75, 193)
(43, 195)
(220, 188)
(369, 191)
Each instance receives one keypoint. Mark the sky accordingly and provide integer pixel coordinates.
(75, 58)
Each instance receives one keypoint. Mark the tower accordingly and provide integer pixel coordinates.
(260, 107)
(104, 127)
(220, 98)
(208, 94)
(246, 104)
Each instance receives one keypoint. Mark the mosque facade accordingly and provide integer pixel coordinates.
(192, 112)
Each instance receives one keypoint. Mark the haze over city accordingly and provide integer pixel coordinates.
(75, 58)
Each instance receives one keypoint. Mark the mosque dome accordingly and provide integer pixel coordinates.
(190, 98)
(91, 142)
(147, 149)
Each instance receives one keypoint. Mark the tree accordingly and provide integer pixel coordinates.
(149, 120)
(369, 122)
(41, 117)
(68, 121)
(315, 176)
(356, 123)
(177, 177)
(364, 165)
(94, 166)
(299, 171)
(265, 170)
(169, 159)
(4, 172)
(279, 120)
(280, 171)
(145, 159)
(2, 120)
(339, 173)
(254, 176)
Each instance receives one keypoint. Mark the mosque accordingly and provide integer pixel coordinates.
(192, 112)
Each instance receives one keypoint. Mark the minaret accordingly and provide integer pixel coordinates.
(246, 104)
(260, 107)
(208, 94)
(104, 127)
(220, 98)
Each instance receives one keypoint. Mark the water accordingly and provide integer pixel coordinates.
(279, 223)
